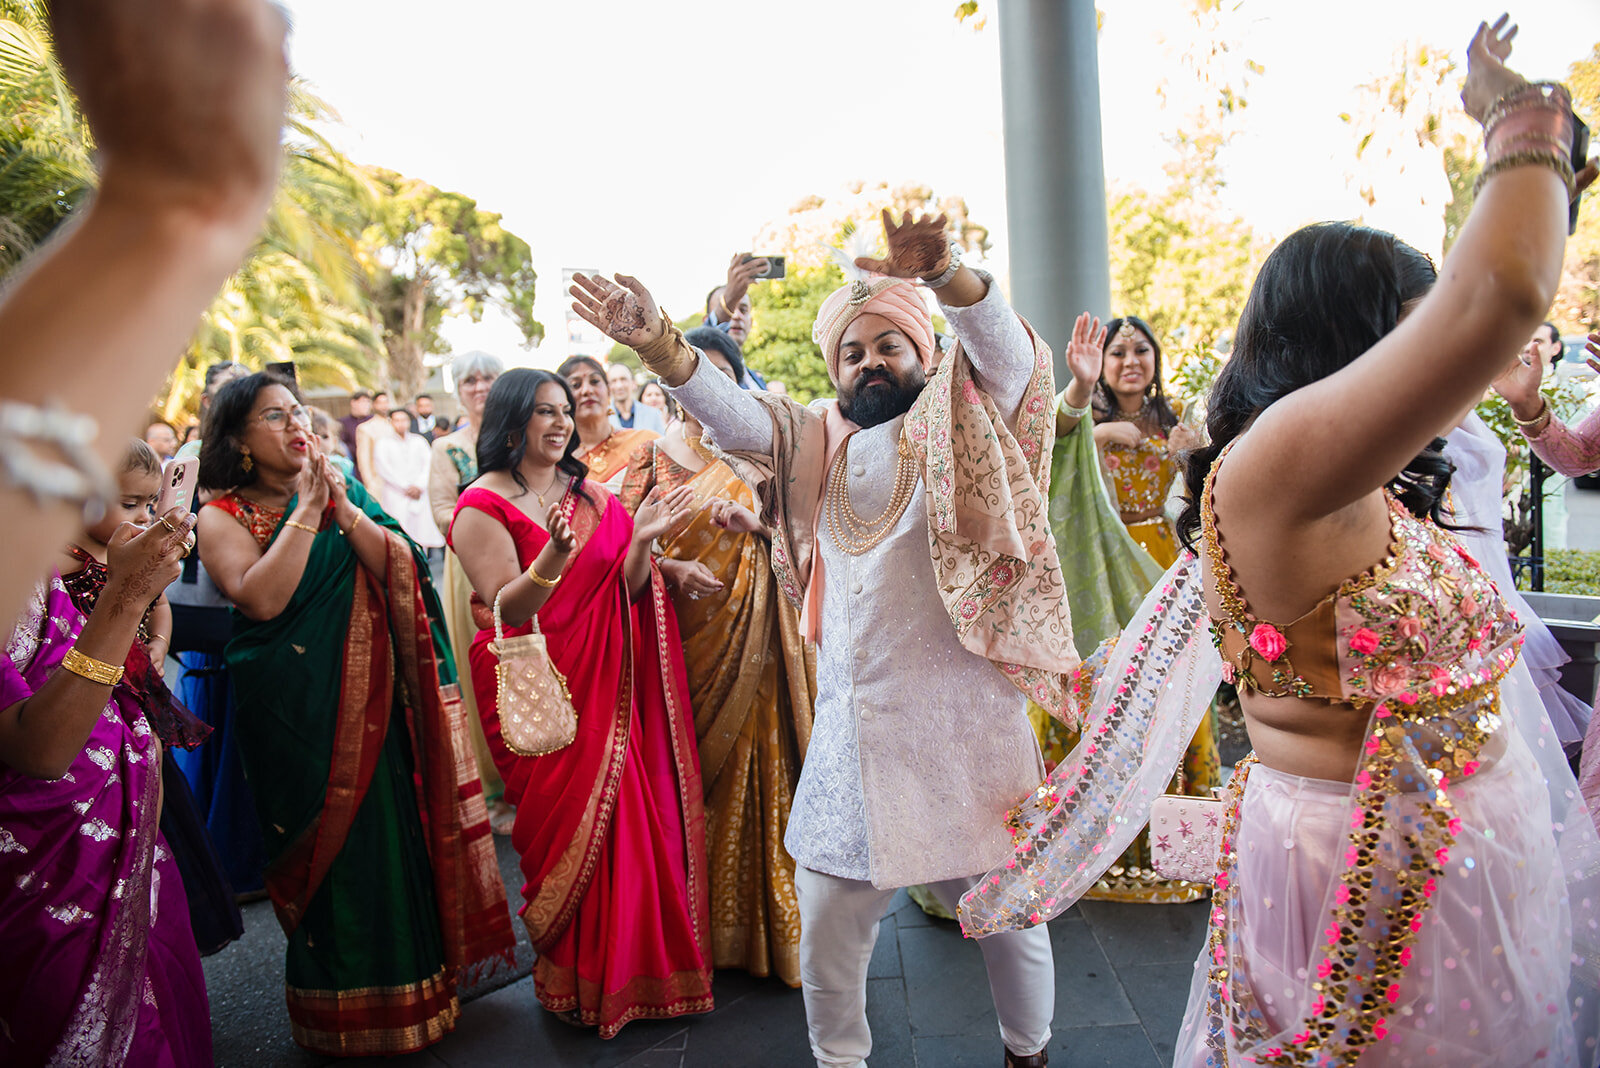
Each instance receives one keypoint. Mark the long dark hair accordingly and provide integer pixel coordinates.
(1105, 401)
(503, 435)
(221, 462)
(1327, 294)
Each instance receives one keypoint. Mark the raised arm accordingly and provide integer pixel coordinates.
(1569, 450)
(625, 312)
(185, 102)
(1353, 431)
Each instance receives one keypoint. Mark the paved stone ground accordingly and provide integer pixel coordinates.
(1122, 977)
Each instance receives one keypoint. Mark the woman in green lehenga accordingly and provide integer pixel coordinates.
(352, 735)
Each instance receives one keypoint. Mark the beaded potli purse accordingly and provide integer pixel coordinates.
(536, 713)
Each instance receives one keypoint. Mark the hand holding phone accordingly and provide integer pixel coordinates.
(178, 477)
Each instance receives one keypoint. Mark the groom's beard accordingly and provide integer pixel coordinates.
(867, 405)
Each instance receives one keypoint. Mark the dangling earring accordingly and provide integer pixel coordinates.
(246, 464)
(510, 442)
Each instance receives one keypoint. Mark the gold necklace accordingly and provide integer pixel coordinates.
(698, 447)
(555, 480)
(852, 534)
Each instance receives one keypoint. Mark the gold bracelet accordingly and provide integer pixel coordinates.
(540, 580)
(1540, 420)
(359, 517)
(88, 667)
(296, 523)
(723, 304)
(160, 638)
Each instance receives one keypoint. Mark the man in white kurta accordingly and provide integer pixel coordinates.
(920, 744)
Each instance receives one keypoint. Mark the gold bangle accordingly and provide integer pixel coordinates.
(88, 667)
(540, 580)
(296, 523)
(359, 517)
(159, 638)
(723, 304)
(1542, 413)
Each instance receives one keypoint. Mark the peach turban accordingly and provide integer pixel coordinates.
(895, 299)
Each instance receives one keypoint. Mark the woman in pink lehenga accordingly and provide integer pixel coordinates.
(1405, 873)
(100, 962)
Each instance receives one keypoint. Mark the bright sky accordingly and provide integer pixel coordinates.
(657, 138)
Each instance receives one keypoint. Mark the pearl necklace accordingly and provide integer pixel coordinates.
(852, 534)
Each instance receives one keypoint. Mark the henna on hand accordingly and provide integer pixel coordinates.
(624, 314)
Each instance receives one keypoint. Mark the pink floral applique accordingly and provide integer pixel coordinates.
(1227, 672)
(1436, 551)
(1469, 605)
(1152, 463)
(1365, 642)
(1036, 404)
(1113, 461)
(1409, 627)
(1389, 679)
(969, 393)
(1268, 641)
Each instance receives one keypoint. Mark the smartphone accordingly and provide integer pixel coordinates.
(287, 369)
(177, 485)
(1580, 159)
(775, 266)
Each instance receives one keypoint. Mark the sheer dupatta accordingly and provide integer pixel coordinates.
(1144, 695)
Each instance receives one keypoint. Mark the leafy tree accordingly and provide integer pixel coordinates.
(45, 165)
(1577, 306)
(1178, 259)
(435, 253)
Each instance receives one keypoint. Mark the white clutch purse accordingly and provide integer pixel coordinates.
(1186, 837)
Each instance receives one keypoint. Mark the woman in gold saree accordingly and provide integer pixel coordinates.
(751, 683)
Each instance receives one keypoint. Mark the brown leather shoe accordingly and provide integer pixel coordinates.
(1032, 1060)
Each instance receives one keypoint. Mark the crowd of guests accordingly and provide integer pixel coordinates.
(1405, 870)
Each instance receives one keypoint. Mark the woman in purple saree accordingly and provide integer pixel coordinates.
(100, 962)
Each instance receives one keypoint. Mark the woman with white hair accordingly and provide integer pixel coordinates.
(455, 463)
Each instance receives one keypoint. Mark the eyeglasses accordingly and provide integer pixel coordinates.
(280, 418)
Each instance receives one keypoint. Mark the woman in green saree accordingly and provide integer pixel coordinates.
(352, 734)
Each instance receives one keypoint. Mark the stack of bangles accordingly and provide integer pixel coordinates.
(1533, 124)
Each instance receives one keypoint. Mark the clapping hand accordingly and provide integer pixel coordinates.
(623, 311)
(660, 512)
(918, 248)
(692, 578)
(560, 530)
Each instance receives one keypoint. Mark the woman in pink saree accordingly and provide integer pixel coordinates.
(611, 828)
(100, 962)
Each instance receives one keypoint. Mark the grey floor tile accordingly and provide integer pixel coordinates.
(891, 1025)
(1159, 993)
(1148, 934)
(947, 987)
(656, 1058)
(1102, 1047)
(959, 1051)
(1088, 991)
(885, 962)
(757, 1022)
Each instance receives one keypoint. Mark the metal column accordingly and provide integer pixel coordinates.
(1055, 172)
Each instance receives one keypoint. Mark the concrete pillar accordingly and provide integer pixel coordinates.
(1055, 171)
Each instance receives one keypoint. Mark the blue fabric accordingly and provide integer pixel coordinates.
(216, 775)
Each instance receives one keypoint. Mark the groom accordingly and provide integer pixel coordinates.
(909, 523)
